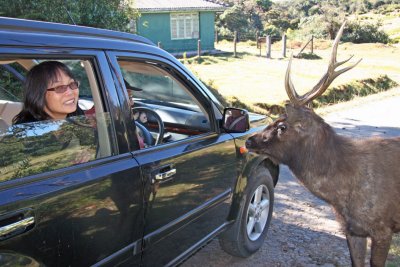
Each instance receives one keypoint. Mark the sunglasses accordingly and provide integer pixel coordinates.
(62, 88)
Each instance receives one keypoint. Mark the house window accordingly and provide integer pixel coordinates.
(185, 26)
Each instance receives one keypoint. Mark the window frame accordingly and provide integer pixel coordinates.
(188, 22)
(180, 75)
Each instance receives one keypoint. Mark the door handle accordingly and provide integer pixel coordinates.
(16, 228)
(162, 176)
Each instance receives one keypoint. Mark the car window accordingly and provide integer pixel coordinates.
(39, 146)
(156, 88)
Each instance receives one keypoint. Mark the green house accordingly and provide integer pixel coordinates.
(177, 25)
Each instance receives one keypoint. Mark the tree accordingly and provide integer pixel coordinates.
(265, 5)
(109, 14)
(234, 19)
(332, 16)
(280, 19)
(301, 8)
(245, 16)
(325, 21)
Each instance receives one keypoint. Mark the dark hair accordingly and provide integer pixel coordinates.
(36, 83)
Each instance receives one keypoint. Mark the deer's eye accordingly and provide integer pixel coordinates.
(281, 127)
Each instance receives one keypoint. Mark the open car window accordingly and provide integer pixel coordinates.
(36, 147)
(159, 90)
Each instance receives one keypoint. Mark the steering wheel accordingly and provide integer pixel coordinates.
(148, 137)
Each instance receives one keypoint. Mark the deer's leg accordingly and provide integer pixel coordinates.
(380, 249)
(358, 247)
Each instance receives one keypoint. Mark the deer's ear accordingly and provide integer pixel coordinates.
(289, 109)
(292, 112)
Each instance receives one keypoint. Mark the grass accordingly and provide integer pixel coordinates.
(255, 82)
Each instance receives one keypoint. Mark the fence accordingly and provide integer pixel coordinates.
(260, 41)
(267, 41)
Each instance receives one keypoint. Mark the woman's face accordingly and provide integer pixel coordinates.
(59, 105)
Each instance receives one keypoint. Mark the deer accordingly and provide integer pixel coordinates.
(359, 178)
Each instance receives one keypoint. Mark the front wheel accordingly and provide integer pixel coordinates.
(248, 233)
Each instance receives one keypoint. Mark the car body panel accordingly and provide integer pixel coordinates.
(74, 210)
(192, 203)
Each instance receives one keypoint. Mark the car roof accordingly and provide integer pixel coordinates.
(32, 26)
(15, 33)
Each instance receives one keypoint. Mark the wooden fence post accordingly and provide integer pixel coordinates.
(312, 44)
(199, 48)
(268, 46)
(234, 43)
(284, 45)
(257, 41)
(301, 50)
(216, 37)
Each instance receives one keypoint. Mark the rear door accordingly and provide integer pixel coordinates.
(54, 210)
(188, 178)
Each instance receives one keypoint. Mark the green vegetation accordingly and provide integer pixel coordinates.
(108, 14)
(304, 18)
(353, 89)
(308, 56)
(365, 33)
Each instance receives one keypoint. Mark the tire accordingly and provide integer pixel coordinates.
(248, 232)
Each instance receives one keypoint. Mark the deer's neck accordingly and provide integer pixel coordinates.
(322, 163)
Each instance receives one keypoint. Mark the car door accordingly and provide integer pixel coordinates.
(188, 179)
(55, 211)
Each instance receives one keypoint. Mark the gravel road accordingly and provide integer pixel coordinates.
(303, 231)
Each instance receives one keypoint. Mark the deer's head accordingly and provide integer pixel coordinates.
(299, 127)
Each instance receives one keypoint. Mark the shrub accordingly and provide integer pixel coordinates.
(365, 33)
(348, 91)
(308, 56)
(272, 31)
(387, 9)
(337, 94)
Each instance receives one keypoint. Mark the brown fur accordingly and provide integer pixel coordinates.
(360, 178)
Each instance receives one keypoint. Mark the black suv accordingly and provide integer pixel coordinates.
(153, 206)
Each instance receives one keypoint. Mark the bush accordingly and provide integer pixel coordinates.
(365, 33)
(272, 31)
(348, 91)
(387, 9)
(335, 95)
(308, 56)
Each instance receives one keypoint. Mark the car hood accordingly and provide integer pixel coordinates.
(257, 120)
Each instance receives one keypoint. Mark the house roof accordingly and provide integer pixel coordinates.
(145, 6)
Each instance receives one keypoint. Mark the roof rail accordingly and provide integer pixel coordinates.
(59, 28)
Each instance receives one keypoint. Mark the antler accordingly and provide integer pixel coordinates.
(325, 81)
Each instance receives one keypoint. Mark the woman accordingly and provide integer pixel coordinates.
(51, 92)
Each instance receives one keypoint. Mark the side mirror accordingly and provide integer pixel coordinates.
(235, 120)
